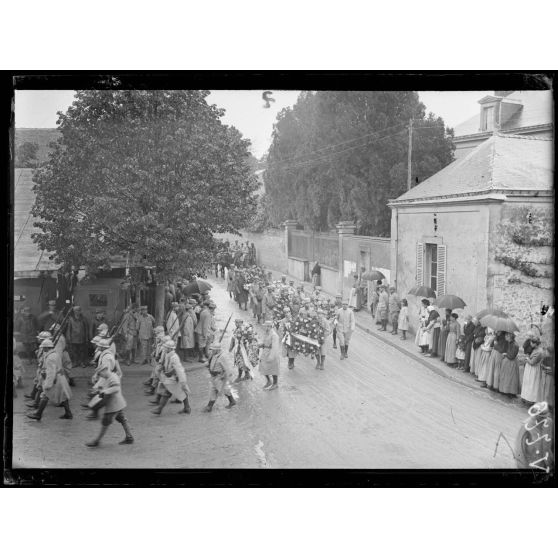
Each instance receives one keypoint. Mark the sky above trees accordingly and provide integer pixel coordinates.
(244, 109)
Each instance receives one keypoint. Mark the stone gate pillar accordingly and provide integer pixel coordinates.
(344, 228)
(290, 225)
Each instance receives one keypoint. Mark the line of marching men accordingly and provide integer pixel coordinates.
(168, 379)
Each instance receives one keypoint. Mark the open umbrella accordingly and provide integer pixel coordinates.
(491, 312)
(499, 324)
(373, 275)
(197, 286)
(423, 291)
(449, 301)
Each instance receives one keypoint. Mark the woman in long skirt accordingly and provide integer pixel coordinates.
(509, 370)
(478, 338)
(532, 376)
(444, 330)
(486, 349)
(433, 331)
(423, 317)
(495, 362)
(454, 332)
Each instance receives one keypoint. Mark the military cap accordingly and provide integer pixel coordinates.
(169, 344)
(44, 335)
(46, 344)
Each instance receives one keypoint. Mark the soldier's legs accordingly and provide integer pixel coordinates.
(37, 415)
(335, 338)
(105, 423)
(165, 396)
(121, 418)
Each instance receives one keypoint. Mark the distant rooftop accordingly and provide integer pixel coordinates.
(502, 163)
(29, 260)
(536, 109)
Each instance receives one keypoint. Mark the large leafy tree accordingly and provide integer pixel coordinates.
(152, 174)
(341, 155)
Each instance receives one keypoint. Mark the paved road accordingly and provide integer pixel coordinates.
(378, 409)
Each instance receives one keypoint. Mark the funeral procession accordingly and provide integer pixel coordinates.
(321, 280)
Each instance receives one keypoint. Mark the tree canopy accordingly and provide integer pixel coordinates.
(152, 174)
(341, 155)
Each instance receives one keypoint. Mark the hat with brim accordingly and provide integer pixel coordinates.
(170, 344)
(47, 344)
(44, 335)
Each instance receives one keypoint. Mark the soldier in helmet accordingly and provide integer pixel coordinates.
(110, 391)
(220, 370)
(173, 381)
(153, 380)
(53, 374)
(38, 380)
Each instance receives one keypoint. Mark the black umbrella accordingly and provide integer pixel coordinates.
(198, 286)
(449, 301)
(491, 312)
(423, 291)
(373, 275)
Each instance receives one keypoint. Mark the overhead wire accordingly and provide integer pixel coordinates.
(302, 164)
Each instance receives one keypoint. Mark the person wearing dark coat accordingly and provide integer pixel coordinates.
(468, 332)
(316, 274)
(241, 294)
(444, 330)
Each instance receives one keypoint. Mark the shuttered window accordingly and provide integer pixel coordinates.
(420, 264)
(441, 280)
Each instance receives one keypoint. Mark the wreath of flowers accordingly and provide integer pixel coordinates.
(309, 327)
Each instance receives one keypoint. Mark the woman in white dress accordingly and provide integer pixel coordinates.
(421, 338)
(531, 389)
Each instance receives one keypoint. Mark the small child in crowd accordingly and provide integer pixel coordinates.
(460, 353)
(403, 321)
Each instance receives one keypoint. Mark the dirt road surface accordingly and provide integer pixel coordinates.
(378, 409)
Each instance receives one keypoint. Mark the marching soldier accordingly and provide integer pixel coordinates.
(270, 357)
(203, 330)
(345, 327)
(159, 355)
(173, 380)
(38, 380)
(159, 332)
(52, 374)
(334, 325)
(106, 362)
(324, 323)
(284, 335)
(110, 392)
(220, 371)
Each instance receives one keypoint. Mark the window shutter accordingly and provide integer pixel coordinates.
(441, 269)
(420, 264)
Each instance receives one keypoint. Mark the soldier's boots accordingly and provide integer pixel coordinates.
(186, 409)
(232, 402)
(156, 401)
(162, 403)
(342, 349)
(129, 439)
(346, 351)
(97, 440)
(209, 407)
(67, 412)
(37, 415)
(322, 363)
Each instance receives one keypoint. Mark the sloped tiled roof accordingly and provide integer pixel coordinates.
(502, 162)
(28, 258)
(536, 110)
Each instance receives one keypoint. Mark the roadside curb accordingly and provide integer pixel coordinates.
(416, 356)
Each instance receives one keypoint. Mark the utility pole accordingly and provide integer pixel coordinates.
(409, 154)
